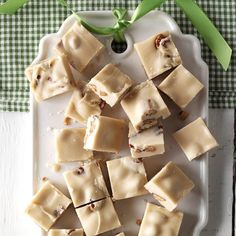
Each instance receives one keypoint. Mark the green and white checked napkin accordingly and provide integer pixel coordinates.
(20, 35)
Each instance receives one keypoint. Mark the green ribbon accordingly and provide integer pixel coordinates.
(199, 19)
(11, 6)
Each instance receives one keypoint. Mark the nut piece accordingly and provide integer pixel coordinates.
(104, 134)
(47, 205)
(86, 184)
(158, 54)
(144, 106)
(83, 104)
(126, 170)
(149, 142)
(80, 46)
(181, 86)
(169, 186)
(158, 221)
(66, 232)
(50, 77)
(110, 84)
(69, 145)
(195, 139)
(183, 115)
(102, 218)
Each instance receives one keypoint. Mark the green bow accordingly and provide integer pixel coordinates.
(199, 19)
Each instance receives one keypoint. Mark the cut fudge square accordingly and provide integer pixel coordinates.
(104, 134)
(69, 145)
(169, 186)
(84, 103)
(66, 232)
(157, 221)
(158, 54)
(98, 217)
(127, 177)
(47, 205)
(149, 142)
(86, 184)
(144, 106)
(181, 86)
(195, 139)
(110, 84)
(80, 46)
(50, 77)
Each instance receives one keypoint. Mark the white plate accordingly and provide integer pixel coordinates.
(49, 115)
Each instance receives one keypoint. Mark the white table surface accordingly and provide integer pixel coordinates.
(16, 174)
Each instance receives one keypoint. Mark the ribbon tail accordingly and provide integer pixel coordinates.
(208, 31)
(11, 6)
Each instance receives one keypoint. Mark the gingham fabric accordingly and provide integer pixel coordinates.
(20, 35)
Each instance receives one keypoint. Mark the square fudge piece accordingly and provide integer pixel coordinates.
(80, 46)
(47, 206)
(98, 217)
(144, 106)
(169, 186)
(158, 221)
(195, 139)
(86, 184)
(66, 232)
(104, 134)
(50, 77)
(180, 80)
(83, 104)
(110, 84)
(158, 54)
(69, 145)
(149, 142)
(127, 177)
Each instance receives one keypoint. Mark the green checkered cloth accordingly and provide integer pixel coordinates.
(20, 35)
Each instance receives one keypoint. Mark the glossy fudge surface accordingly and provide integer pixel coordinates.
(169, 186)
(69, 145)
(110, 84)
(144, 106)
(98, 217)
(181, 86)
(158, 54)
(195, 139)
(127, 177)
(104, 134)
(50, 77)
(79, 46)
(47, 205)
(158, 221)
(86, 184)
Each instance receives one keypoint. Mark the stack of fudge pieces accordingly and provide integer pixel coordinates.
(144, 107)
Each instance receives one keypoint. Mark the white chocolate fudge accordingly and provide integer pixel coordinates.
(195, 139)
(66, 232)
(169, 186)
(47, 206)
(158, 221)
(83, 104)
(149, 142)
(69, 145)
(127, 177)
(144, 105)
(158, 54)
(110, 84)
(98, 217)
(181, 86)
(86, 184)
(50, 77)
(104, 134)
(80, 46)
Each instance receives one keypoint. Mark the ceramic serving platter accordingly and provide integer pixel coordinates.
(49, 115)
